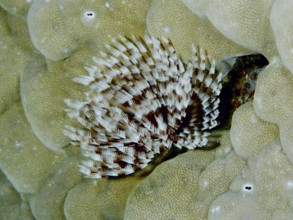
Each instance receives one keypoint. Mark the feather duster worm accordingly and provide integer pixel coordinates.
(142, 100)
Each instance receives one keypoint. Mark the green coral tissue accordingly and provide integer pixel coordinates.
(46, 44)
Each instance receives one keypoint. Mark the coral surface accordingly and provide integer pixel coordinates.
(44, 44)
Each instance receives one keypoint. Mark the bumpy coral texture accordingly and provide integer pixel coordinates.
(44, 44)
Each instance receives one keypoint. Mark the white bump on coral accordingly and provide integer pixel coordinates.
(50, 40)
(234, 19)
(236, 208)
(245, 126)
(261, 189)
(273, 102)
(197, 6)
(59, 28)
(200, 178)
(281, 20)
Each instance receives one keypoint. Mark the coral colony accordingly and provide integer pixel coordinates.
(142, 100)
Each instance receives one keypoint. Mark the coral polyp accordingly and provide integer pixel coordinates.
(142, 100)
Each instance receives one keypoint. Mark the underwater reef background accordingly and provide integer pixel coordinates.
(44, 44)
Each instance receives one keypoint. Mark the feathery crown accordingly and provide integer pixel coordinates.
(142, 100)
